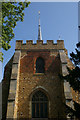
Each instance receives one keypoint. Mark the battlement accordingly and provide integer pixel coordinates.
(39, 44)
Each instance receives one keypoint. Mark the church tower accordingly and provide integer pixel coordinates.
(35, 89)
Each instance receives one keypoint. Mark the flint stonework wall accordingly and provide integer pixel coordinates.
(48, 82)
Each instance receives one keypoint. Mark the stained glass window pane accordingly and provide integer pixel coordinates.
(39, 105)
(37, 110)
(41, 110)
(33, 110)
(46, 112)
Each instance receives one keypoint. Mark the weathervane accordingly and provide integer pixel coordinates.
(59, 37)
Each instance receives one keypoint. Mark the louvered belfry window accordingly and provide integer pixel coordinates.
(40, 65)
(39, 105)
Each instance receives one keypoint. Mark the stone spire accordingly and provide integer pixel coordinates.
(39, 29)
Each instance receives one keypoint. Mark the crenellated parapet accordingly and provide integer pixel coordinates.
(39, 44)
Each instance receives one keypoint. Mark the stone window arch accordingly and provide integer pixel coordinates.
(40, 65)
(39, 105)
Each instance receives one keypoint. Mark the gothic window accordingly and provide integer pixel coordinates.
(40, 65)
(39, 105)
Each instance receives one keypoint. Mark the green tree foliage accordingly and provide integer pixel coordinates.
(74, 75)
(12, 12)
(74, 79)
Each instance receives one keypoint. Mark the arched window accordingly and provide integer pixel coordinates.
(40, 65)
(39, 105)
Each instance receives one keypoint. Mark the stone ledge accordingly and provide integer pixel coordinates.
(68, 95)
(11, 97)
(39, 119)
(14, 76)
(63, 57)
(38, 74)
(16, 57)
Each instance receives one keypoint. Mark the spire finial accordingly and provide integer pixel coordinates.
(39, 12)
(39, 17)
(39, 29)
